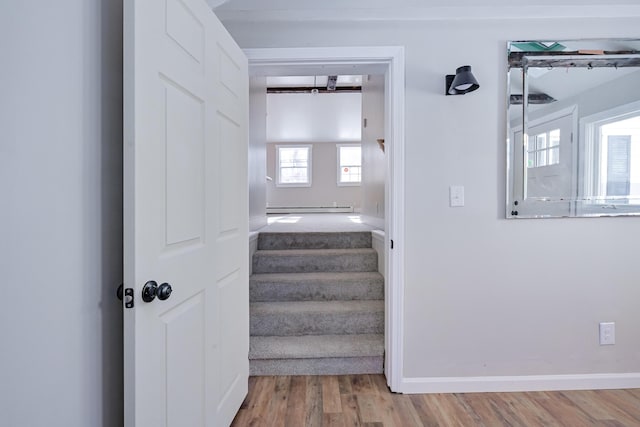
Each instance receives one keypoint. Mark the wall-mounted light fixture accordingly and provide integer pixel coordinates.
(462, 82)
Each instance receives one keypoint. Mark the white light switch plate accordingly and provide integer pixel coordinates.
(456, 195)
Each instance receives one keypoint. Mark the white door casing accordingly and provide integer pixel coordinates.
(185, 216)
(389, 61)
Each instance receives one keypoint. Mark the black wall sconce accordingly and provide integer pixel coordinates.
(462, 82)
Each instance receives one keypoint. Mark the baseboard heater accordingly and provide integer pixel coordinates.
(308, 209)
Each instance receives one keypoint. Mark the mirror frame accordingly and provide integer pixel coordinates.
(590, 54)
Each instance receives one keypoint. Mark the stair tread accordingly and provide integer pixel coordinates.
(314, 240)
(311, 233)
(316, 346)
(318, 366)
(313, 307)
(319, 286)
(313, 252)
(315, 260)
(333, 276)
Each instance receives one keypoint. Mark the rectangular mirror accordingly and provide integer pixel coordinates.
(573, 128)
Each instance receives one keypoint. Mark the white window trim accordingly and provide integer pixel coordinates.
(339, 167)
(279, 182)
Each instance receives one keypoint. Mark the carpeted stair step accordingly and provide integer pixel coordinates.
(315, 260)
(317, 354)
(318, 366)
(314, 240)
(316, 318)
(314, 346)
(316, 286)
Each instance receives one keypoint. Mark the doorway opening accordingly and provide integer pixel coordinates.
(389, 62)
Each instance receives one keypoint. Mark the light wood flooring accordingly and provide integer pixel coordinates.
(365, 400)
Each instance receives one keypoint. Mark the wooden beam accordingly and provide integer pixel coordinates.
(303, 89)
(332, 81)
(534, 98)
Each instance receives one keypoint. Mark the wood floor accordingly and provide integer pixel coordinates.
(365, 400)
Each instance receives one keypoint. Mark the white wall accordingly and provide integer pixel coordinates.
(373, 158)
(306, 117)
(486, 296)
(257, 152)
(324, 190)
(60, 215)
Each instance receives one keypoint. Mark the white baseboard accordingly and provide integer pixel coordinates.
(519, 383)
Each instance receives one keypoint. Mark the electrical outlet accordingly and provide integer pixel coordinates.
(607, 333)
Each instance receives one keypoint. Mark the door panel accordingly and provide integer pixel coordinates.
(185, 169)
(184, 331)
(182, 26)
(230, 168)
(186, 216)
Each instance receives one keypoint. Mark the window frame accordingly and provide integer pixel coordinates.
(339, 166)
(279, 182)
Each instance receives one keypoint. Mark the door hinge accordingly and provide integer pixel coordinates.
(391, 240)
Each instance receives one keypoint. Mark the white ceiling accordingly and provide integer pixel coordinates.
(305, 10)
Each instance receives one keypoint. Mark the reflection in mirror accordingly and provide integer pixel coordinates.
(573, 128)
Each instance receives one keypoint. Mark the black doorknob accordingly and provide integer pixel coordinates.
(164, 291)
(149, 291)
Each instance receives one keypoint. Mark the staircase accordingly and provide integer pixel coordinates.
(317, 305)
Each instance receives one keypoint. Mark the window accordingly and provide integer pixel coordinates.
(349, 164)
(617, 145)
(544, 149)
(294, 165)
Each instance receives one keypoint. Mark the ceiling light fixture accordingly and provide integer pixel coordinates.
(462, 82)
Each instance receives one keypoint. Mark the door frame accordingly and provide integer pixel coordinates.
(387, 60)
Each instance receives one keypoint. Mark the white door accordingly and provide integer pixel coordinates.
(550, 158)
(186, 216)
(550, 167)
(545, 170)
